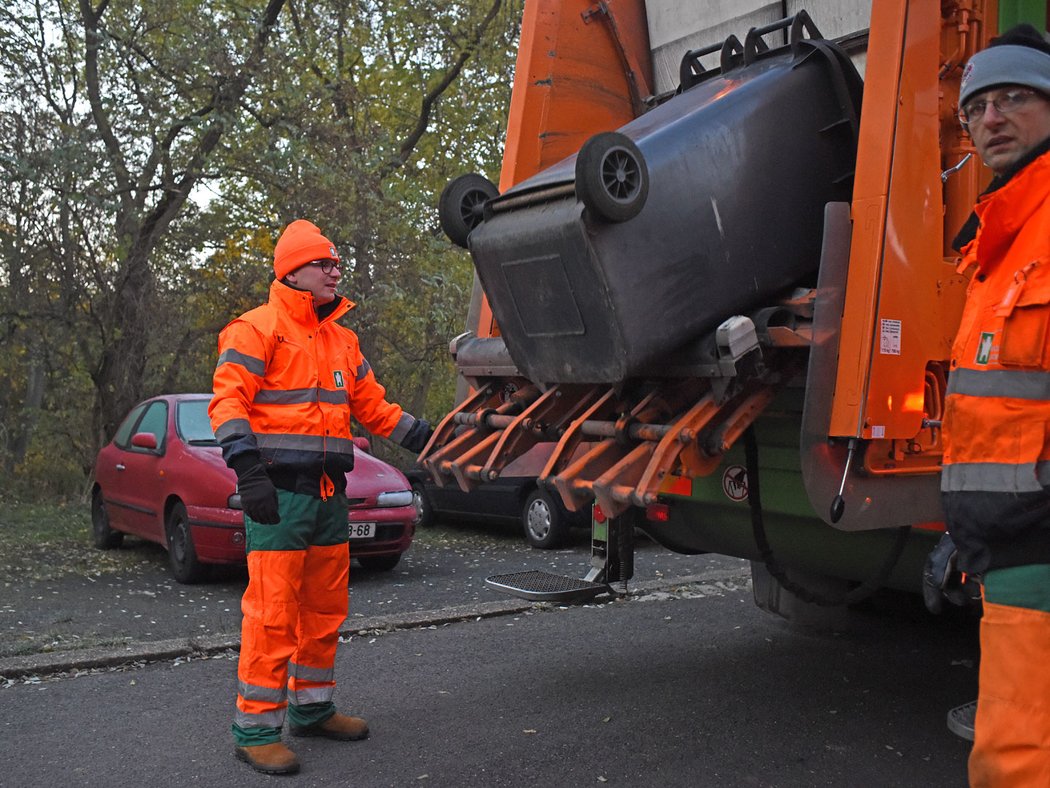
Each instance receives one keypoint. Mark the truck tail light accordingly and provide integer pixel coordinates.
(658, 512)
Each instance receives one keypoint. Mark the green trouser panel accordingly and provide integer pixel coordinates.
(254, 737)
(1019, 586)
(299, 716)
(310, 713)
(305, 521)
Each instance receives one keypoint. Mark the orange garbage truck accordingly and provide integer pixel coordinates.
(715, 286)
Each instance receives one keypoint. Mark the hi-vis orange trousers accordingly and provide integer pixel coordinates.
(1011, 746)
(296, 600)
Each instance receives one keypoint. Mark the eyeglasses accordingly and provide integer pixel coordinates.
(326, 266)
(1005, 103)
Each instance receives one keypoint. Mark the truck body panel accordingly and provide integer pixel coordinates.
(840, 381)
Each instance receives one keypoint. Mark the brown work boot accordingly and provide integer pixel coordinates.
(338, 726)
(269, 758)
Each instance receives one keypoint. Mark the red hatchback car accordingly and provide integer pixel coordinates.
(162, 478)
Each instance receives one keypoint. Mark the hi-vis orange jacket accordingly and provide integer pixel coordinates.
(997, 413)
(287, 383)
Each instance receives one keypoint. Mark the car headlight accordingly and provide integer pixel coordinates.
(399, 498)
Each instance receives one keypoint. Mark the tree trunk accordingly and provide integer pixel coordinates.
(36, 383)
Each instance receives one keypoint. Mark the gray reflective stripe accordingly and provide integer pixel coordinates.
(233, 427)
(301, 697)
(363, 369)
(299, 396)
(990, 477)
(307, 673)
(264, 694)
(1042, 473)
(317, 443)
(404, 424)
(254, 365)
(268, 719)
(1000, 383)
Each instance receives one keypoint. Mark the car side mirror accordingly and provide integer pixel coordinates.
(144, 440)
(363, 444)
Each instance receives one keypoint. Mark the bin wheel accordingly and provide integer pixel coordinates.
(461, 205)
(612, 179)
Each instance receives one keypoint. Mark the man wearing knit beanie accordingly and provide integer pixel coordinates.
(996, 478)
(288, 380)
(1013, 69)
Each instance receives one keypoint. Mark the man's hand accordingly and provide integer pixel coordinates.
(418, 436)
(942, 581)
(258, 495)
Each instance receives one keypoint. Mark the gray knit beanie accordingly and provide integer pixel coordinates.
(1021, 56)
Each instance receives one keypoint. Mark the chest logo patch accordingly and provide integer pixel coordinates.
(984, 347)
(338, 375)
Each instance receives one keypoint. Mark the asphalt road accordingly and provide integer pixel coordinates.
(682, 683)
(687, 687)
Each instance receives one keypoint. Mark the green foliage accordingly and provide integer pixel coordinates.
(153, 151)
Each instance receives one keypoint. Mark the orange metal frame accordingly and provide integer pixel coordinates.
(903, 296)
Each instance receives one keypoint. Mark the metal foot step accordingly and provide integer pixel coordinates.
(546, 586)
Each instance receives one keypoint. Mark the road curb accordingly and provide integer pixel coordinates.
(51, 663)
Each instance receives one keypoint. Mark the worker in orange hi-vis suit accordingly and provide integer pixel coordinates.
(996, 478)
(288, 379)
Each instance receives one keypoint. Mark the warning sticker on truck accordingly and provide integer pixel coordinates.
(890, 337)
(734, 482)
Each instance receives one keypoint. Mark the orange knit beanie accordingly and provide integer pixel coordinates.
(299, 244)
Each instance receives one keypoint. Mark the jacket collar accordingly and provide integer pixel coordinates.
(1005, 211)
(299, 304)
(969, 229)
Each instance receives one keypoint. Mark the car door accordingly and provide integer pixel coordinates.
(109, 470)
(138, 496)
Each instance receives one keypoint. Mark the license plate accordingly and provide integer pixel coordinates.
(362, 530)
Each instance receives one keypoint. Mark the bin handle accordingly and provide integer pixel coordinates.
(754, 44)
(732, 53)
(691, 71)
(799, 24)
(731, 49)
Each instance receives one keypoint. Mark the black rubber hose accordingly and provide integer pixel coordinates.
(863, 591)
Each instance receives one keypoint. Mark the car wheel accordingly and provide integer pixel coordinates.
(612, 178)
(424, 511)
(546, 523)
(379, 563)
(181, 554)
(104, 537)
(461, 206)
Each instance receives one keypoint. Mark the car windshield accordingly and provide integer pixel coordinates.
(191, 420)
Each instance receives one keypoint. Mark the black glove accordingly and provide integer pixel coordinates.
(258, 495)
(941, 579)
(418, 436)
